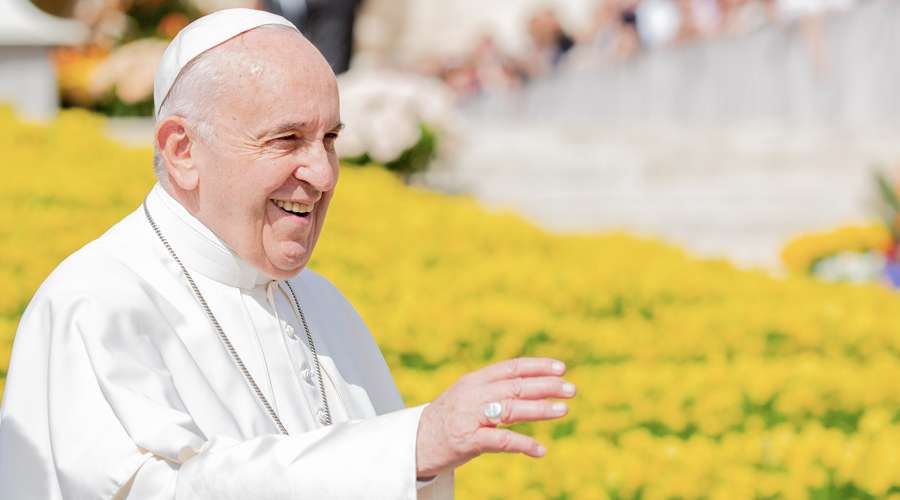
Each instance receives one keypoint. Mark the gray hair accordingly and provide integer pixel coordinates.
(199, 85)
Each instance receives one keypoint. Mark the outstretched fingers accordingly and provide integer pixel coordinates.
(492, 440)
(520, 367)
(531, 388)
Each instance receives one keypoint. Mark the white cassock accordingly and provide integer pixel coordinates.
(119, 387)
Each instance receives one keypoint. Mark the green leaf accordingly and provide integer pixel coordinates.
(887, 191)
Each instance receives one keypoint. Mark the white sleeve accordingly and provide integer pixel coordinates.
(358, 459)
(350, 461)
(119, 430)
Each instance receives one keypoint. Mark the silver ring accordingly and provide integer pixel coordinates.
(492, 411)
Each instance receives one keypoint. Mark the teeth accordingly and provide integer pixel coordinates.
(290, 206)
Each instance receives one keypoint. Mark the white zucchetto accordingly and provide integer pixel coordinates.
(200, 36)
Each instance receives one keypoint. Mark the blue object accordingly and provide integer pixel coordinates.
(892, 272)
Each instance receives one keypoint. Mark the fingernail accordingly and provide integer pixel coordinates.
(568, 389)
(559, 367)
(540, 450)
(559, 408)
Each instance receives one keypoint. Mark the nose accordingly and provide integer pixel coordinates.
(318, 168)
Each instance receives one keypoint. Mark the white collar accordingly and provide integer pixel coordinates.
(197, 246)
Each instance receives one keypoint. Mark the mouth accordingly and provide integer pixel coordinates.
(294, 208)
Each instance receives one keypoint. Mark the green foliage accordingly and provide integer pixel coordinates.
(146, 15)
(111, 105)
(890, 198)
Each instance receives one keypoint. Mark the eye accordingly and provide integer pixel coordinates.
(285, 140)
(330, 138)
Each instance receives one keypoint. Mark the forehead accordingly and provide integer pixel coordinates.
(272, 75)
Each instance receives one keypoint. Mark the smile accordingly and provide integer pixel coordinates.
(294, 208)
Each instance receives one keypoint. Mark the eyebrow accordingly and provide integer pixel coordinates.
(291, 126)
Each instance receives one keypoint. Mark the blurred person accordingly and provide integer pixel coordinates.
(549, 43)
(810, 16)
(430, 65)
(610, 38)
(292, 10)
(771, 8)
(744, 16)
(461, 77)
(688, 28)
(706, 17)
(106, 20)
(494, 71)
(328, 24)
(630, 39)
(604, 20)
(188, 353)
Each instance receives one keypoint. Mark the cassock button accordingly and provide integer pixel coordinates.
(322, 416)
(289, 330)
(307, 375)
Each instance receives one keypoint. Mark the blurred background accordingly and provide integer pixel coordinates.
(693, 202)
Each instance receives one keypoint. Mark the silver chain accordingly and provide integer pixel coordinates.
(230, 347)
(312, 347)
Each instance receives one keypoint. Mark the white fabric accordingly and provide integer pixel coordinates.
(118, 386)
(202, 35)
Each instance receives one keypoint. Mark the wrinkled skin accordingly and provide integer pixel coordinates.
(274, 123)
(453, 429)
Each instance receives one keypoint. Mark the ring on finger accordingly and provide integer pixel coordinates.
(492, 411)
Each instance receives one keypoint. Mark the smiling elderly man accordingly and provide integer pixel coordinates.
(187, 353)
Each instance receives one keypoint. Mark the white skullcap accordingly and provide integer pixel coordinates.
(200, 36)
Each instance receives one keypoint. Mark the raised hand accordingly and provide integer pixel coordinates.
(456, 427)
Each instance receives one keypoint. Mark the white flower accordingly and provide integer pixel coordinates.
(384, 112)
(350, 143)
(392, 133)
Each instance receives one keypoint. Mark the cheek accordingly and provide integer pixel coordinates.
(323, 209)
(240, 199)
(255, 185)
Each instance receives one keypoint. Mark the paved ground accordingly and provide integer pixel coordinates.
(737, 192)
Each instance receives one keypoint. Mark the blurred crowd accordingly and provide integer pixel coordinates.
(113, 72)
(618, 31)
(327, 23)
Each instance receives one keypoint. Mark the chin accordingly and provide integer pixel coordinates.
(285, 259)
(284, 266)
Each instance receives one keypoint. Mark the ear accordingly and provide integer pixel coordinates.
(174, 145)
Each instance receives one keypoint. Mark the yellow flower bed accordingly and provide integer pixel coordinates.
(696, 380)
